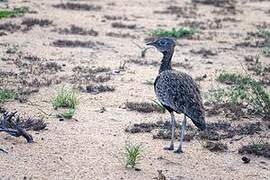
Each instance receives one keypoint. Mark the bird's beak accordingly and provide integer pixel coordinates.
(151, 43)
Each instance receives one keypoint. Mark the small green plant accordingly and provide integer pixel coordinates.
(243, 89)
(68, 114)
(259, 70)
(265, 34)
(175, 33)
(65, 98)
(13, 13)
(6, 95)
(162, 108)
(132, 154)
(215, 95)
(258, 145)
(266, 51)
(149, 82)
(122, 66)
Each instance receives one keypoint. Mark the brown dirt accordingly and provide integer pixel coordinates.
(39, 62)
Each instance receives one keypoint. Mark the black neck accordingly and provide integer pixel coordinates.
(166, 61)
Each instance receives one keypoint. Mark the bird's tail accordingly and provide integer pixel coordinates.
(198, 117)
(200, 123)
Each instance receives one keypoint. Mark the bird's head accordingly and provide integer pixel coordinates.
(163, 44)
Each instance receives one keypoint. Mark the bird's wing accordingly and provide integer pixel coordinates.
(170, 92)
(181, 93)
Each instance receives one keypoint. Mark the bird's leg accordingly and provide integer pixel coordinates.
(179, 149)
(171, 146)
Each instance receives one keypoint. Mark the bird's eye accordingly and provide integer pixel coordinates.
(162, 42)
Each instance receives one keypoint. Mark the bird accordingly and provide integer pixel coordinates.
(177, 92)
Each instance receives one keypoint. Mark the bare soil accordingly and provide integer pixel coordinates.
(92, 46)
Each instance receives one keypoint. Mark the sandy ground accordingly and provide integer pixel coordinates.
(93, 146)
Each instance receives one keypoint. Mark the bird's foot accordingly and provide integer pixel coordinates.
(178, 151)
(169, 148)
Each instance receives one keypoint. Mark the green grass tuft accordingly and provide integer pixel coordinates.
(149, 82)
(175, 33)
(132, 154)
(68, 114)
(243, 89)
(65, 98)
(13, 13)
(6, 95)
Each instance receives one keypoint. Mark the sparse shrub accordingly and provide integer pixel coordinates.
(6, 95)
(175, 33)
(215, 146)
(259, 148)
(65, 98)
(242, 89)
(144, 107)
(132, 154)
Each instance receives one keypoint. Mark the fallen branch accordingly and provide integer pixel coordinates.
(4, 151)
(10, 123)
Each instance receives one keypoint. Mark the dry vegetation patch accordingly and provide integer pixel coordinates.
(204, 52)
(215, 146)
(99, 88)
(29, 23)
(77, 31)
(9, 27)
(217, 3)
(123, 26)
(121, 35)
(30, 73)
(76, 43)
(215, 131)
(78, 6)
(114, 18)
(86, 75)
(256, 148)
(144, 107)
(185, 12)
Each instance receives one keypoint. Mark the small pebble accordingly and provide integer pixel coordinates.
(137, 169)
(245, 159)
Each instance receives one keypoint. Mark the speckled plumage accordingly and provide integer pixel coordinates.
(177, 91)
